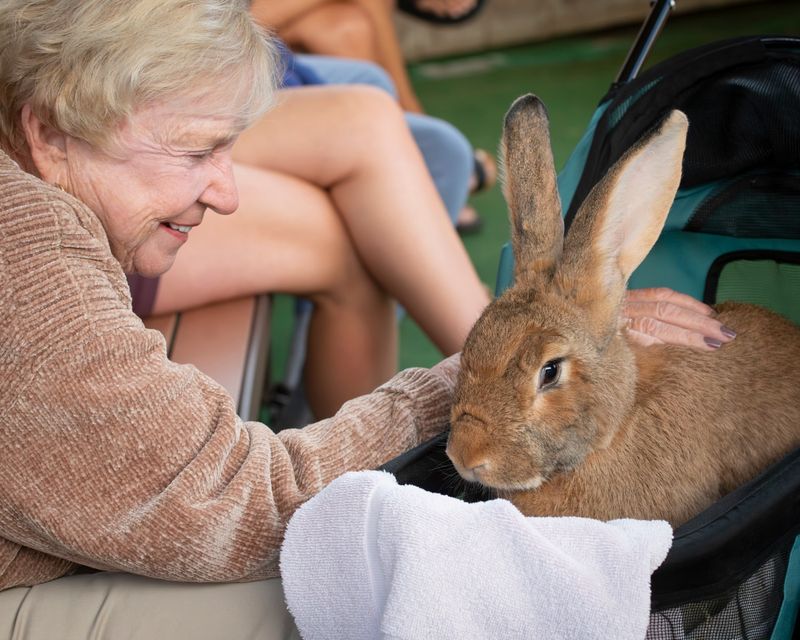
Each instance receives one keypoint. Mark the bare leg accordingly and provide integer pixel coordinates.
(335, 29)
(390, 54)
(287, 237)
(354, 142)
(361, 29)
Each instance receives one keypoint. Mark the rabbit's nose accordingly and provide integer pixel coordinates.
(470, 470)
(469, 451)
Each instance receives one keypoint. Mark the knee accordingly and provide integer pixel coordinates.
(375, 114)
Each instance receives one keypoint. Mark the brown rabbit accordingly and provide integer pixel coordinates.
(557, 410)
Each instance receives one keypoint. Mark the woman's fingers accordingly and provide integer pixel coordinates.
(660, 315)
(670, 296)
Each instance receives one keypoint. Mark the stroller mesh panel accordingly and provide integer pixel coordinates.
(740, 120)
(741, 97)
(754, 206)
(747, 612)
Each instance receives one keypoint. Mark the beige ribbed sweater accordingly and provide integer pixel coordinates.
(116, 458)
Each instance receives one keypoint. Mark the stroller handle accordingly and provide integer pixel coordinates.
(644, 41)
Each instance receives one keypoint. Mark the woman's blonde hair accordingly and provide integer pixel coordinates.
(84, 66)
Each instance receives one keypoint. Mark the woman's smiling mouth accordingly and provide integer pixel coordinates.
(177, 230)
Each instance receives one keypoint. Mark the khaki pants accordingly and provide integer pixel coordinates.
(119, 606)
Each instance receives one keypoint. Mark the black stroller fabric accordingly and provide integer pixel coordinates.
(724, 575)
(742, 97)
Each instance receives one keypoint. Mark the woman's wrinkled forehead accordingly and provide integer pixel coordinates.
(176, 125)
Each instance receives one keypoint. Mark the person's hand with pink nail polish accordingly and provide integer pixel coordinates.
(663, 316)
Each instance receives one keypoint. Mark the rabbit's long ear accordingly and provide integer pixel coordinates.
(537, 230)
(621, 219)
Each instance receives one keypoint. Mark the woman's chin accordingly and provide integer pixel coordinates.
(152, 266)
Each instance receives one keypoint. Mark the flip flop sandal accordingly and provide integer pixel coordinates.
(410, 7)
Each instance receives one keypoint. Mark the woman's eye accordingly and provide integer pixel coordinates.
(202, 155)
(549, 374)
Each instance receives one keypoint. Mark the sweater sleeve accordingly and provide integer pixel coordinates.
(116, 458)
(142, 465)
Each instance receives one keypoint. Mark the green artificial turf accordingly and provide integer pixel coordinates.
(570, 75)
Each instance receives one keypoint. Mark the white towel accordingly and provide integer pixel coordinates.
(367, 558)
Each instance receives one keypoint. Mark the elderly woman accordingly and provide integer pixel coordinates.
(127, 480)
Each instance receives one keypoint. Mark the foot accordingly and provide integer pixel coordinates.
(484, 176)
(447, 8)
(441, 12)
(469, 221)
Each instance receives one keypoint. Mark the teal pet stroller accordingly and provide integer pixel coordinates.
(733, 233)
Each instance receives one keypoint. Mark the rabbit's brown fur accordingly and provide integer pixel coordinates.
(625, 431)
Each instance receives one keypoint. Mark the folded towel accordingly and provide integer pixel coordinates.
(367, 558)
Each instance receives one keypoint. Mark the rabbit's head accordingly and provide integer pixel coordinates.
(546, 374)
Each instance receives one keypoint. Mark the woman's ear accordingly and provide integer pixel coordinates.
(47, 147)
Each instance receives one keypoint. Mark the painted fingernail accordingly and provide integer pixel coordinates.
(713, 343)
(727, 331)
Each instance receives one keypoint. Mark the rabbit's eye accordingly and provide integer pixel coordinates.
(549, 374)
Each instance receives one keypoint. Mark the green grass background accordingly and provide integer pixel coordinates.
(570, 75)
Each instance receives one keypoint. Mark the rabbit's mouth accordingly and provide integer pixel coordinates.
(494, 476)
(514, 464)
(487, 477)
(509, 482)
(530, 484)
(527, 476)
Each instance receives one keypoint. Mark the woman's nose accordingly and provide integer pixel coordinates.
(221, 195)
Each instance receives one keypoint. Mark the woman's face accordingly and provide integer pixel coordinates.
(165, 168)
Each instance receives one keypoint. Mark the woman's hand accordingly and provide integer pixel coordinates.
(448, 368)
(664, 316)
